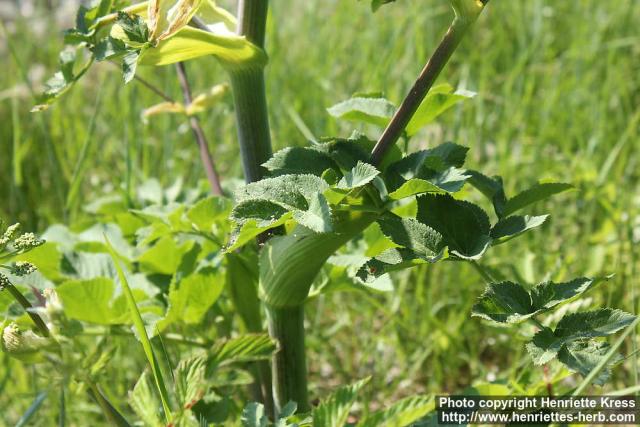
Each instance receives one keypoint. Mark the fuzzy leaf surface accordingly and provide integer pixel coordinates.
(464, 226)
(509, 302)
(546, 344)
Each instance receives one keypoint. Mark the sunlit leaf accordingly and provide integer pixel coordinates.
(334, 410)
(546, 344)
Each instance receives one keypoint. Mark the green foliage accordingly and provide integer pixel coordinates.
(402, 413)
(572, 341)
(378, 111)
(333, 411)
(509, 302)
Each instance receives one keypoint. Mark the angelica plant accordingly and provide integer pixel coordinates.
(302, 205)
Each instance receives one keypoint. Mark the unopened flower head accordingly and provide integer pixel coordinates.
(12, 338)
(23, 268)
(27, 241)
(4, 282)
(12, 231)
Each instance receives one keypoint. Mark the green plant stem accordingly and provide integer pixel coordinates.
(483, 272)
(17, 295)
(249, 94)
(198, 134)
(289, 366)
(252, 124)
(421, 86)
(252, 121)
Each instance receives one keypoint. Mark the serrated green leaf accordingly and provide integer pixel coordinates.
(583, 357)
(361, 174)
(102, 309)
(411, 234)
(290, 191)
(546, 344)
(390, 260)
(413, 187)
(439, 99)
(144, 403)
(61, 81)
(207, 212)
(191, 297)
(464, 226)
(263, 212)
(334, 411)
(131, 29)
(109, 48)
(512, 226)
(346, 152)
(299, 160)
(376, 111)
(164, 256)
(254, 415)
(317, 217)
(245, 348)
(534, 194)
(422, 164)
(250, 230)
(491, 187)
(190, 381)
(509, 302)
(129, 65)
(400, 414)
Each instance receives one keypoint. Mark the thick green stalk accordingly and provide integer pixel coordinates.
(289, 365)
(249, 94)
(252, 121)
(288, 266)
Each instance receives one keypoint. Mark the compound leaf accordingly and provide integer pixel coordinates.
(190, 381)
(583, 357)
(546, 344)
(245, 348)
(400, 414)
(509, 302)
(334, 411)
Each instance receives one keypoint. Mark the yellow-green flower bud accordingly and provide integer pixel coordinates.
(23, 268)
(27, 241)
(4, 282)
(24, 345)
(12, 231)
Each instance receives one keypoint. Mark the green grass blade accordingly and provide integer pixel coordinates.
(611, 353)
(32, 409)
(142, 334)
(80, 167)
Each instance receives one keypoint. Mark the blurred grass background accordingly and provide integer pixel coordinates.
(558, 98)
